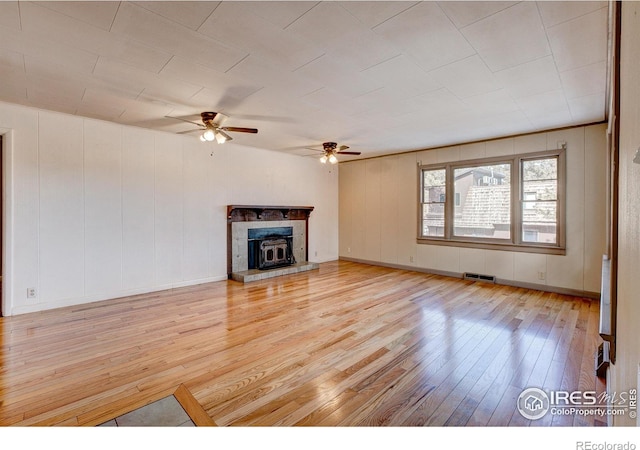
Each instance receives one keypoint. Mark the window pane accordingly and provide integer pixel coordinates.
(540, 195)
(541, 218)
(433, 199)
(434, 185)
(433, 219)
(485, 201)
(540, 169)
(540, 190)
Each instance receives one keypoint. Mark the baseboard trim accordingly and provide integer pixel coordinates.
(63, 303)
(402, 267)
(513, 283)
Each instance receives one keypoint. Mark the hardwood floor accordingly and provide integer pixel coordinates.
(345, 345)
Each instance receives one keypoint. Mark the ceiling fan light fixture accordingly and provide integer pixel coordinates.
(211, 130)
(323, 159)
(209, 135)
(333, 159)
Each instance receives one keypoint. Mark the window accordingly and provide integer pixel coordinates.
(510, 203)
(539, 209)
(486, 191)
(434, 197)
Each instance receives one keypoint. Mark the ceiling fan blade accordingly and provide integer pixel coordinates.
(219, 118)
(184, 120)
(343, 147)
(226, 136)
(348, 153)
(239, 129)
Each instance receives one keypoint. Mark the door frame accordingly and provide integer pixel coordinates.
(6, 215)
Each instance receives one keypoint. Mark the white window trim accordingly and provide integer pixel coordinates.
(516, 242)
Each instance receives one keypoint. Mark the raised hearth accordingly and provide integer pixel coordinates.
(257, 274)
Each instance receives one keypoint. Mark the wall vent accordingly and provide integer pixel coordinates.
(478, 277)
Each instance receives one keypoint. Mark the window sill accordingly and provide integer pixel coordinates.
(503, 246)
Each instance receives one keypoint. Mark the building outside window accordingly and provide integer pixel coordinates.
(485, 211)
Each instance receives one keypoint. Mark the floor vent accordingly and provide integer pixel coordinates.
(478, 277)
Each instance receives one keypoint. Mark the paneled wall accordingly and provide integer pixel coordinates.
(625, 373)
(96, 210)
(379, 213)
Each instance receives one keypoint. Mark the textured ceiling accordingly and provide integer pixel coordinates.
(379, 76)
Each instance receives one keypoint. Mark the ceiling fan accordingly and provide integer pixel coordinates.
(211, 128)
(330, 150)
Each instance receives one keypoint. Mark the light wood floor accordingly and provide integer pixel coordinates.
(346, 345)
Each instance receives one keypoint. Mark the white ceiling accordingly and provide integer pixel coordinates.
(378, 76)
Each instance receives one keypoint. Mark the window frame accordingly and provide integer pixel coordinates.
(516, 241)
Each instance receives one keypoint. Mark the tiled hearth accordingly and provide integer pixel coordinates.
(247, 276)
(180, 409)
(166, 412)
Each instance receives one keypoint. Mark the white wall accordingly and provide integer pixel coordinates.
(379, 213)
(95, 210)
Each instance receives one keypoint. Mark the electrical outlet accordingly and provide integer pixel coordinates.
(541, 275)
(31, 292)
(348, 249)
(410, 258)
(316, 253)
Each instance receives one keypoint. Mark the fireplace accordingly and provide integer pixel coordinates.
(269, 248)
(267, 241)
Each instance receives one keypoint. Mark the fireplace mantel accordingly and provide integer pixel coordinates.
(250, 213)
